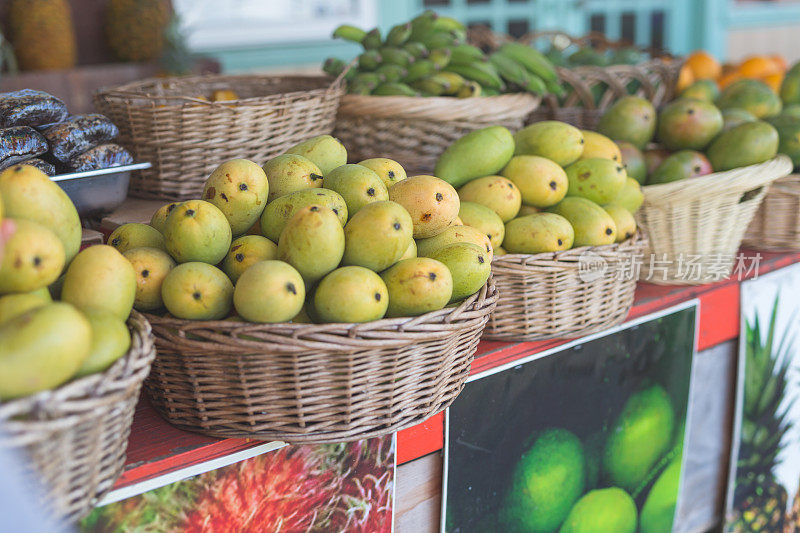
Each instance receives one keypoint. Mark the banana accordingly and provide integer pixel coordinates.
(420, 69)
(398, 34)
(372, 39)
(334, 66)
(464, 54)
(417, 50)
(530, 58)
(438, 39)
(456, 82)
(535, 84)
(369, 60)
(489, 91)
(469, 89)
(349, 33)
(391, 72)
(449, 24)
(432, 85)
(483, 73)
(510, 70)
(396, 56)
(422, 25)
(554, 87)
(440, 57)
(394, 89)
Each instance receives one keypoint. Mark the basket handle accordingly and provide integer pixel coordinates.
(339, 80)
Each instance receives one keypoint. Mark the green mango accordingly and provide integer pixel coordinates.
(484, 220)
(417, 286)
(134, 235)
(495, 192)
(537, 233)
(159, 218)
(639, 438)
(246, 251)
(197, 230)
(197, 291)
(100, 278)
(389, 171)
(792, 110)
(269, 292)
(541, 181)
(706, 90)
(747, 144)
(688, 124)
(288, 173)
(279, 211)
(323, 150)
(479, 153)
(312, 242)
(16, 304)
(111, 339)
(239, 188)
(151, 266)
(469, 267)
(33, 258)
(357, 185)
(679, 166)
(557, 141)
(432, 203)
(377, 236)
(733, 117)
(658, 512)
(631, 196)
(610, 510)
(592, 225)
(596, 179)
(453, 234)
(789, 136)
(623, 220)
(631, 119)
(351, 294)
(633, 159)
(754, 96)
(42, 349)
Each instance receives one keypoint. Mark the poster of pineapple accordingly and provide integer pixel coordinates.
(583, 438)
(765, 451)
(347, 487)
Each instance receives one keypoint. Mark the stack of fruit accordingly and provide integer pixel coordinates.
(429, 56)
(45, 343)
(547, 188)
(700, 65)
(307, 238)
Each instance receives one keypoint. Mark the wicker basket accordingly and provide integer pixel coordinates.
(695, 227)
(314, 383)
(164, 121)
(776, 225)
(415, 130)
(564, 294)
(76, 435)
(655, 78)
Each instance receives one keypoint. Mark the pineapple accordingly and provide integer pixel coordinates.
(42, 34)
(135, 29)
(759, 500)
(793, 518)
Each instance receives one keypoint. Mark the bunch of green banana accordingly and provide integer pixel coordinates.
(429, 56)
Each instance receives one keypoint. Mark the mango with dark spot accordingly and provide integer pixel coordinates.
(100, 278)
(483, 219)
(33, 258)
(416, 286)
(495, 192)
(197, 230)
(432, 203)
(598, 145)
(269, 292)
(358, 185)
(325, 151)
(351, 294)
(279, 211)
(289, 173)
(197, 291)
(623, 220)
(592, 225)
(540, 181)
(454, 234)
(688, 124)
(681, 165)
(377, 236)
(538, 233)
(239, 188)
(159, 218)
(631, 119)
(388, 170)
(559, 142)
(151, 266)
(754, 96)
(596, 179)
(469, 267)
(246, 251)
(312, 242)
(135, 235)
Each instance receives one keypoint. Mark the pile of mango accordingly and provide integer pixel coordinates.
(307, 238)
(54, 327)
(547, 188)
(701, 65)
(429, 56)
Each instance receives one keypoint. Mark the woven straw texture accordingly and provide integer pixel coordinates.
(164, 121)
(314, 383)
(590, 89)
(564, 294)
(776, 225)
(76, 435)
(415, 130)
(695, 227)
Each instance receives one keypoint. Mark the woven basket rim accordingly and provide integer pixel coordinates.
(573, 255)
(441, 108)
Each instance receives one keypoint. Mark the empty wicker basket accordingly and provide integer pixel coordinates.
(564, 294)
(776, 225)
(314, 383)
(695, 226)
(169, 123)
(77, 434)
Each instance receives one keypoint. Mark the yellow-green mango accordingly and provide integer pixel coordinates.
(279, 211)
(432, 203)
(593, 226)
(239, 188)
(197, 291)
(790, 88)
(754, 96)
(734, 116)
(16, 304)
(747, 144)
(135, 235)
(599, 180)
(151, 266)
(631, 119)
(377, 236)
(100, 278)
(706, 90)
(610, 510)
(495, 192)
(483, 219)
(540, 181)
(245, 252)
(417, 286)
(111, 339)
(269, 292)
(325, 151)
(411, 251)
(634, 162)
(388, 170)
(557, 141)
(541, 232)
(159, 218)
(789, 136)
(631, 196)
(469, 267)
(351, 294)
(312, 242)
(598, 145)
(479, 153)
(688, 124)
(289, 173)
(358, 186)
(454, 234)
(658, 511)
(639, 437)
(623, 220)
(197, 230)
(29, 193)
(42, 349)
(33, 258)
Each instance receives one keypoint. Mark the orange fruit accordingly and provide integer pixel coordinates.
(780, 61)
(758, 67)
(774, 81)
(685, 78)
(728, 78)
(704, 66)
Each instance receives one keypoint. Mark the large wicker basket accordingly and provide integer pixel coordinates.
(314, 383)
(695, 227)
(776, 225)
(168, 122)
(564, 294)
(77, 434)
(415, 130)
(654, 79)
